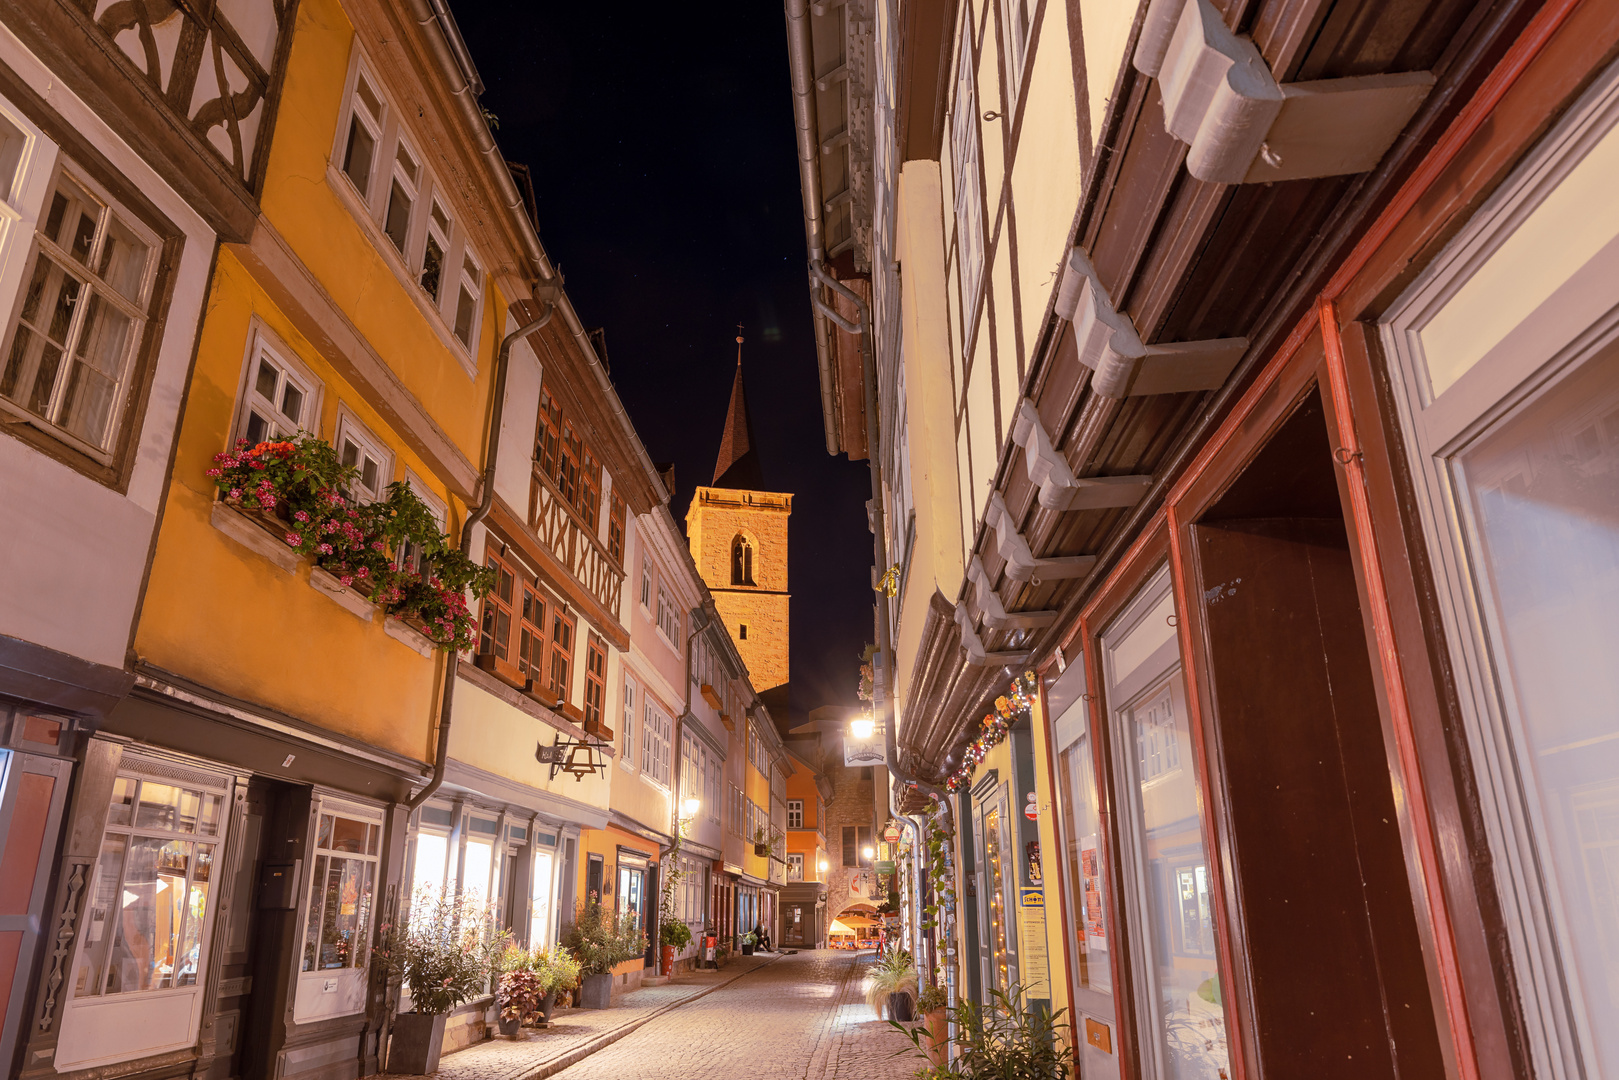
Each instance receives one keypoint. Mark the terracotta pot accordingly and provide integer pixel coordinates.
(417, 1040)
(935, 1036)
(666, 960)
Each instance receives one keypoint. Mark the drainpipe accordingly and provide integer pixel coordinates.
(801, 62)
(452, 663)
(868, 369)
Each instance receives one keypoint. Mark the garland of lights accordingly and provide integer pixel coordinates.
(1009, 709)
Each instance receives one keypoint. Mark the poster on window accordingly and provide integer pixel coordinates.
(1090, 868)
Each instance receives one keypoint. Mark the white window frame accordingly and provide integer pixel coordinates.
(263, 342)
(646, 586)
(411, 554)
(1015, 41)
(353, 430)
(1555, 341)
(432, 231)
(376, 126)
(795, 866)
(106, 1028)
(656, 732)
(319, 994)
(966, 169)
(626, 760)
(414, 189)
(469, 277)
(795, 809)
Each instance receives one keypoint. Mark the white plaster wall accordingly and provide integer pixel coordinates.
(514, 467)
(73, 552)
(1105, 26)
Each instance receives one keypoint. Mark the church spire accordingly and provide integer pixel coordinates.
(738, 464)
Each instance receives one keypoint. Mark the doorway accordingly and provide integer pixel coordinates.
(1325, 942)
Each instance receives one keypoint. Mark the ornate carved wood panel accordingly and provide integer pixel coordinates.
(211, 60)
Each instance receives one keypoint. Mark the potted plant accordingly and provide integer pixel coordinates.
(520, 989)
(749, 940)
(891, 982)
(930, 1003)
(601, 941)
(559, 972)
(1001, 1038)
(446, 956)
(673, 936)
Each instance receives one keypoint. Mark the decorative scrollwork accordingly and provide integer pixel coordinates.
(67, 928)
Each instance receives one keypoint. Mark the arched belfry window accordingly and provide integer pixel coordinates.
(742, 561)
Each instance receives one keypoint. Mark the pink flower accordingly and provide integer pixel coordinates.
(292, 540)
(301, 516)
(235, 493)
(216, 473)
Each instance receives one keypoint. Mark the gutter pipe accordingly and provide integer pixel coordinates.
(801, 62)
(452, 663)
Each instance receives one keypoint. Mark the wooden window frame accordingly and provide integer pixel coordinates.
(596, 687)
(615, 529)
(532, 667)
(561, 664)
(493, 606)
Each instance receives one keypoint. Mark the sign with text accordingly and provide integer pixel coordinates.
(863, 751)
(1032, 924)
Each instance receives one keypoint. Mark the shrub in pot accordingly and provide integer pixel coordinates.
(446, 955)
(673, 935)
(519, 991)
(559, 973)
(891, 985)
(749, 940)
(1002, 1038)
(601, 941)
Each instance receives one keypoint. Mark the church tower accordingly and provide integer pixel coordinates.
(738, 536)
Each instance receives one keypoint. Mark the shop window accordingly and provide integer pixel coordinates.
(795, 813)
(335, 950)
(1080, 828)
(436, 862)
(481, 872)
(542, 885)
(150, 893)
(78, 323)
(595, 681)
(995, 903)
(561, 656)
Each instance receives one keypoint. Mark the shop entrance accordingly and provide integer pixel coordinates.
(1325, 943)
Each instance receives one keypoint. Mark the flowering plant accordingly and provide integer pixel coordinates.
(446, 953)
(602, 940)
(1009, 709)
(303, 484)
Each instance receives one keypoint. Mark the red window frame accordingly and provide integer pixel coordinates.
(596, 686)
(561, 655)
(615, 530)
(497, 618)
(531, 646)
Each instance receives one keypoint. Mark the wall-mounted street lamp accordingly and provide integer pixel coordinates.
(868, 852)
(863, 727)
(689, 807)
(824, 865)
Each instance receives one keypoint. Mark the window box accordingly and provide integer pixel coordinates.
(407, 634)
(346, 598)
(599, 730)
(256, 531)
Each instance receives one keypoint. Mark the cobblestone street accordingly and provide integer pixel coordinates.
(802, 1018)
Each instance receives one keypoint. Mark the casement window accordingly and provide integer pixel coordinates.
(362, 451)
(561, 656)
(656, 730)
(495, 629)
(403, 192)
(342, 888)
(435, 252)
(280, 397)
(968, 199)
(627, 753)
(468, 300)
(1017, 21)
(77, 325)
(595, 680)
(531, 641)
(795, 867)
(364, 134)
(795, 813)
(615, 530)
(646, 585)
(563, 457)
(411, 555)
(734, 811)
(542, 887)
(715, 786)
(669, 618)
(851, 847)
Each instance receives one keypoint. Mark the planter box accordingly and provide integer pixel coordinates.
(596, 991)
(406, 634)
(346, 598)
(417, 1040)
(761, 850)
(257, 531)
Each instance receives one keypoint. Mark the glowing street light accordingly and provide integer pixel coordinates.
(689, 807)
(863, 727)
(867, 852)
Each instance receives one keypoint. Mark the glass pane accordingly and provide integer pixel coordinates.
(466, 305)
(123, 797)
(257, 428)
(124, 257)
(995, 882)
(441, 219)
(1544, 501)
(397, 223)
(190, 954)
(317, 914)
(432, 264)
(372, 832)
(539, 912)
(40, 339)
(98, 368)
(362, 924)
(475, 880)
(323, 832)
(208, 822)
(12, 144)
(292, 402)
(71, 222)
(1183, 978)
(348, 835)
(100, 909)
(358, 154)
(1084, 865)
(151, 914)
(345, 901)
(432, 850)
(368, 98)
(265, 382)
(406, 162)
(159, 806)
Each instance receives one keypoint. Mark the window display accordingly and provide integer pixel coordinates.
(343, 884)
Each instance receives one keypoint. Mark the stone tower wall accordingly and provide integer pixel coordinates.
(715, 518)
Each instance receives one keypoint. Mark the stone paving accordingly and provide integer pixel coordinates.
(795, 1016)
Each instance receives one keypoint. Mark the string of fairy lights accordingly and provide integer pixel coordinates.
(1009, 709)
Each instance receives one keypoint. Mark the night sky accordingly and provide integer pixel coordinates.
(660, 137)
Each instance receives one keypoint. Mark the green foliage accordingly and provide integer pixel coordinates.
(676, 933)
(1003, 1040)
(893, 974)
(447, 952)
(602, 940)
(931, 998)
